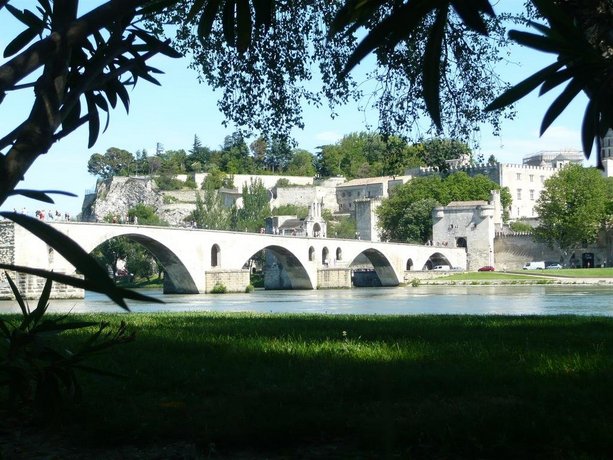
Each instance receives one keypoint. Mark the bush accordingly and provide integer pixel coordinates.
(190, 182)
(219, 288)
(521, 227)
(415, 282)
(283, 182)
(36, 367)
(167, 182)
(249, 288)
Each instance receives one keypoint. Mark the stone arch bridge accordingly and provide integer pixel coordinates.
(194, 260)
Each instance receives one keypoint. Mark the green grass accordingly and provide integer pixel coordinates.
(484, 276)
(358, 386)
(581, 272)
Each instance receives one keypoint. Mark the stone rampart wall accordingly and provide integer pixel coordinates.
(514, 251)
(305, 196)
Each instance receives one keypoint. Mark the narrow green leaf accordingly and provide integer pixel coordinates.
(404, 19)
(560, 103)
(470, 16)
(94, 120)
(589, 129)
(87, 284)
(534, 41)
(205, 24)
(43, 300)
(40, 195)
(71, 119)
(4, 329)
(432, 67)
(243, 25)
(227, 21)
(156, 44)
(20, 42)
(20, 300)
(54, 326)
(556, 79)
(524, 87)
(263, 12)
(72, 252)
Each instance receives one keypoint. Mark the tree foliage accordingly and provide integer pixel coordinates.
(366, 155)
(279, 59)
(431, 57)
(406, 216)
(114, 162)
(255, 208)
(210, 213)
(573, 207)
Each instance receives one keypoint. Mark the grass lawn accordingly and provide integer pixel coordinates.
(527, 275)
(302, 386)
(486, 276)
(581, 272)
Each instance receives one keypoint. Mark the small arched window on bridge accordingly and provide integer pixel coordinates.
(215, 255)
(339, 254)
(311, 254)
(410, 264)
(324, 256)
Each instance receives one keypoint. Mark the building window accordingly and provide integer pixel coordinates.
(531, 177)
(348, 193)
(358, 194)
(542, 179)
(343, 194)
(518, 176)
(532, 195)
(519, 194)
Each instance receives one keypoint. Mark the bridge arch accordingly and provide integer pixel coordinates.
(283, 270)
(436, 259)
(382, 266)
(177, 277)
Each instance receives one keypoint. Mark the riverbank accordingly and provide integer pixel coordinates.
(345, 386)
(559, 277)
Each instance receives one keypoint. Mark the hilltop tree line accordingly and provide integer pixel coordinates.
(356, 155)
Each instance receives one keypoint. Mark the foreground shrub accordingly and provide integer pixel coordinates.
(39, 371)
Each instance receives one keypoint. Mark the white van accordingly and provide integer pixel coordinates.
(442, 268)
(540, 265)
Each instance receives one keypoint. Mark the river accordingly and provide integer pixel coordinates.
(474, 300)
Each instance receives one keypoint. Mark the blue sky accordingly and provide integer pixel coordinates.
(181, 107)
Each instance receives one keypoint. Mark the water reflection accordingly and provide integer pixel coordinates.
(476, 300)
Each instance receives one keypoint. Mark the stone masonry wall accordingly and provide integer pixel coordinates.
(233, 280)
(330, 278)
(29, 286)
(515, 250)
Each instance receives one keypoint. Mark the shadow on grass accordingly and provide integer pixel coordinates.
(431, 386)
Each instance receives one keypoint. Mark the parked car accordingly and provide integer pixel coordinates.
(554, 266)
(442, 268)
(487, 268)
(540, 265)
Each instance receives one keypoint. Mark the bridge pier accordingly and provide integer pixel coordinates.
(232, 280)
